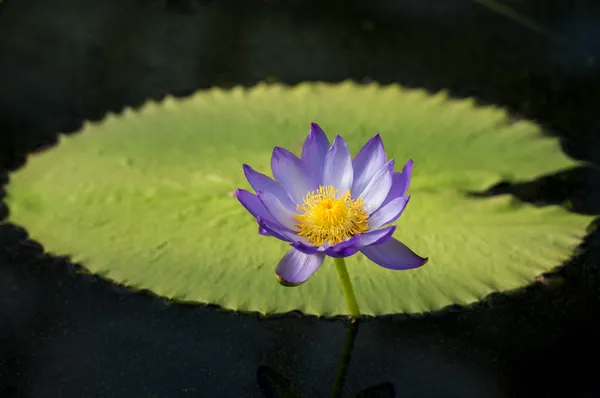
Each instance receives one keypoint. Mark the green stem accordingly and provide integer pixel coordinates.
(340, 264)
(340, 377)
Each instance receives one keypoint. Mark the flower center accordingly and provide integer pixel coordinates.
(326, 217)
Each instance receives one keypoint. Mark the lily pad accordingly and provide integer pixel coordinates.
(145, 198)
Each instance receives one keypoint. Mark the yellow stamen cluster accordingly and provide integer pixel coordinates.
(326, 217)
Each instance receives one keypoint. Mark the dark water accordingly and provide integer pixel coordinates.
(63, 334)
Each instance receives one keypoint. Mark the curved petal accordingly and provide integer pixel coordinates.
(367, 161)
(388, 213)
(394, 255)
(281, 213)
(378, 188)
(282, 233)
(314, 151)
(376, 237)
(338, 171)
(344, 249)
(289, 171)
(296, 267)
(400, 183)
(275, 230)
(253, 204)
(306, 247)
(405, 180)
(260, 182)
(263, 231)
(395, 189)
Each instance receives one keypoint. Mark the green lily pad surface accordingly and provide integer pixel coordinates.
(145, 198)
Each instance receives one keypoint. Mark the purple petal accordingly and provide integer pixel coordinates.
(296, 267)
(338, 170)
(367, 161)
(344, 249)
(261, 182)
(282, 233)
(393, 254)
(405, 181)
(289, 171)
(275, 230)
(253, 204)
(263, 231)
(281, 213)
(306, 247)
(395, 189)
(314, 151)
(388, 213)
(377, 237)
(378, 188)
(400, 183)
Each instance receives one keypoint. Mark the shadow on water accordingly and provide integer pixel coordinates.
(274, 385)
(70, 334)
(576, 189)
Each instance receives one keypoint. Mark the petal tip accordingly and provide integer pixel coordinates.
(317, 134)
(375, 143)
(282, 153)
(248, 171)
(423, 261)
(242, 194)
(337, 140)
(285, 283)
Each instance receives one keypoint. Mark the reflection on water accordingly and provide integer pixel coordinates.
(274, 385)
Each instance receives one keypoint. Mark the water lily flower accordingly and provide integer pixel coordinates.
(327, 203)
